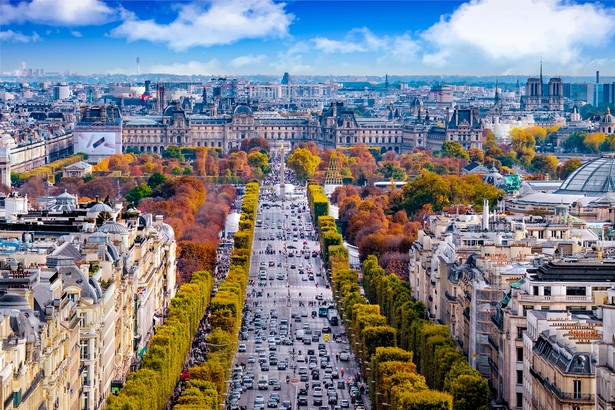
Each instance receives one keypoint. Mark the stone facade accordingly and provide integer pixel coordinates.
(337, 127)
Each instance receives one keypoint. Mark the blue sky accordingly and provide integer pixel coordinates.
(226, 37)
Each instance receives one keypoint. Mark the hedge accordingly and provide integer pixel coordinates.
(50, 170)
(393, 374)
(151, 385)
(225, 313)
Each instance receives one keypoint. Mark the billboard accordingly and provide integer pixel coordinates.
(97, 143)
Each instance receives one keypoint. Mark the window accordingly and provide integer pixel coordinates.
(527, 308)
(520, 331)
(519, 376)
(535, 290)
(547, 290)
(577, 388)
(576, 291)
(519, 399)
(519, 354)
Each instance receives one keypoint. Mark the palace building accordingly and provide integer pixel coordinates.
(337, 127)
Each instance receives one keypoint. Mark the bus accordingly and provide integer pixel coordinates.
(323, 311)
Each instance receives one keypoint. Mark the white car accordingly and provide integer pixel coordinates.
(242, 348)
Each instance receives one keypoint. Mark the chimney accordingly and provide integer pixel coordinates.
(159, 220)
(485, 214)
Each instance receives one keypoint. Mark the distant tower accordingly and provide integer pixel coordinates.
(386, 82)
(138, 65)
(540, 78)
(597, 77)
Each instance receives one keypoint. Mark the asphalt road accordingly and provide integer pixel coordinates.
(291, 277)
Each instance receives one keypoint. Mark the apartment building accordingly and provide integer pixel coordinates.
(98, 290)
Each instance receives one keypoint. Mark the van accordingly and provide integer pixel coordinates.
(299, 333)
(263, 383)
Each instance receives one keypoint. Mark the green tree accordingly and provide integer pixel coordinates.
(303, 163)
(156, 179)
(453, 149)
(136, 194)
(574, 142)
(173, 151)
(259, 160)
(390, 170)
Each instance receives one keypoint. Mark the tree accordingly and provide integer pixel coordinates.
(593, 141)
(568, 167)
(524, 144)
(136, 194)
(390, 170)
(427, 188)
(260, 161)
(303, 163)
(476, 155)
(453, 149)
(173, 151)
(156, 179)
(252, 144)
(545, 164)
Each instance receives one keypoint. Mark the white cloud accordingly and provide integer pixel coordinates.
(189, 68)
(215, 22)
(58, 12)
(357, 40)
(76, 33)
(11, 36)
(242, 61)
(554, 30)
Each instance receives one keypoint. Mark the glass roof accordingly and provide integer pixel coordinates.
(592, 178)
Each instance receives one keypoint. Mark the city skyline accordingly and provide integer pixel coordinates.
(309, 37)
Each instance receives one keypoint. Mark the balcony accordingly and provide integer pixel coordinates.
(560, 394)
(555, 299)
(466, 313)
(498, 321)
(450, 297)
(493, 364)
(492, 342)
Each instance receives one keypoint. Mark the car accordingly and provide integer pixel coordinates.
(344, 356)
(248, 383)
(251, 359)
(302, 401)
(326, 329)
(242, 348)
(317, 401)
(302, 391)
(304, 378)
(272, 403)
(341, 385)
(276, 385)
(335, 374)
(282, 365)
(286, 405)
(345, 404)
(264, 367)
(332, 400)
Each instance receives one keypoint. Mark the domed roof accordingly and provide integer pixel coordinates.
(607, 118)
(13, 301)
(113, 227)
(242, 109)
(99, 207)
(594, 178)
